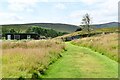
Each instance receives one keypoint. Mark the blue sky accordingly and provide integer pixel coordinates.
(57, 11)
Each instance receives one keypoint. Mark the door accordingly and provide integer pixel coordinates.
(9, 37)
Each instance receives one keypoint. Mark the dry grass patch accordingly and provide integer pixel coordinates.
(106, 44)
(23, 58)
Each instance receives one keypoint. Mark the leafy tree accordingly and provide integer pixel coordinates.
(86, 21)
(12, 31)
(4, 30)
(28, 30)
(19, 31)
(44, 32)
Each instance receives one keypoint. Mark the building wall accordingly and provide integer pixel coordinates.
(22, 36)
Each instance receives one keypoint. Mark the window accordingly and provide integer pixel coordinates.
(28, 36)
(17, 37)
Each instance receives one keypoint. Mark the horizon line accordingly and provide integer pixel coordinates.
(54, 23)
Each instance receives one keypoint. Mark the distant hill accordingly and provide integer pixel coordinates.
(56, 26)
(107, 25)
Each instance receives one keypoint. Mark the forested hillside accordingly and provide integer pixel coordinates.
(56, 26)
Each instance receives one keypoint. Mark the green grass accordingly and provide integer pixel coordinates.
(81, 62)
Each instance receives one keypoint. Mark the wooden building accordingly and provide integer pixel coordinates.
(19, 36)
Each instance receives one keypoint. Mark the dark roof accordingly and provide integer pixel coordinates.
(22, 33)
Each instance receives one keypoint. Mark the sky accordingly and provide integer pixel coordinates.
(57, 11)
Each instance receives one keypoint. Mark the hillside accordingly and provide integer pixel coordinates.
(56, 26)
(107, 25)
(59, 27)
(83, 33)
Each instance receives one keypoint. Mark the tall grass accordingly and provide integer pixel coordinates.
(0, 59)
(24, 58)
(106, 44)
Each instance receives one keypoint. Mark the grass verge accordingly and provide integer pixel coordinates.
(106, 44)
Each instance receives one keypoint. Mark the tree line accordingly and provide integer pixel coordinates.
(35, 29)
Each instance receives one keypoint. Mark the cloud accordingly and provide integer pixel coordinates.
(21, 5)
(97, 16)
(103, 12)
(60, 6)
(9, 18)
(22, 11)
(90, 2)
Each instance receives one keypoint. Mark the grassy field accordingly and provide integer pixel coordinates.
(94, 31)
(81, 62)
(27, 58)
(106, 44)
(30, 58)
(0, 59)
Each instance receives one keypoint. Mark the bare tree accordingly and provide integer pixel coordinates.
(86, 21)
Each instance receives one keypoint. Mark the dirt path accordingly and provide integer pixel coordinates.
(80, 62)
